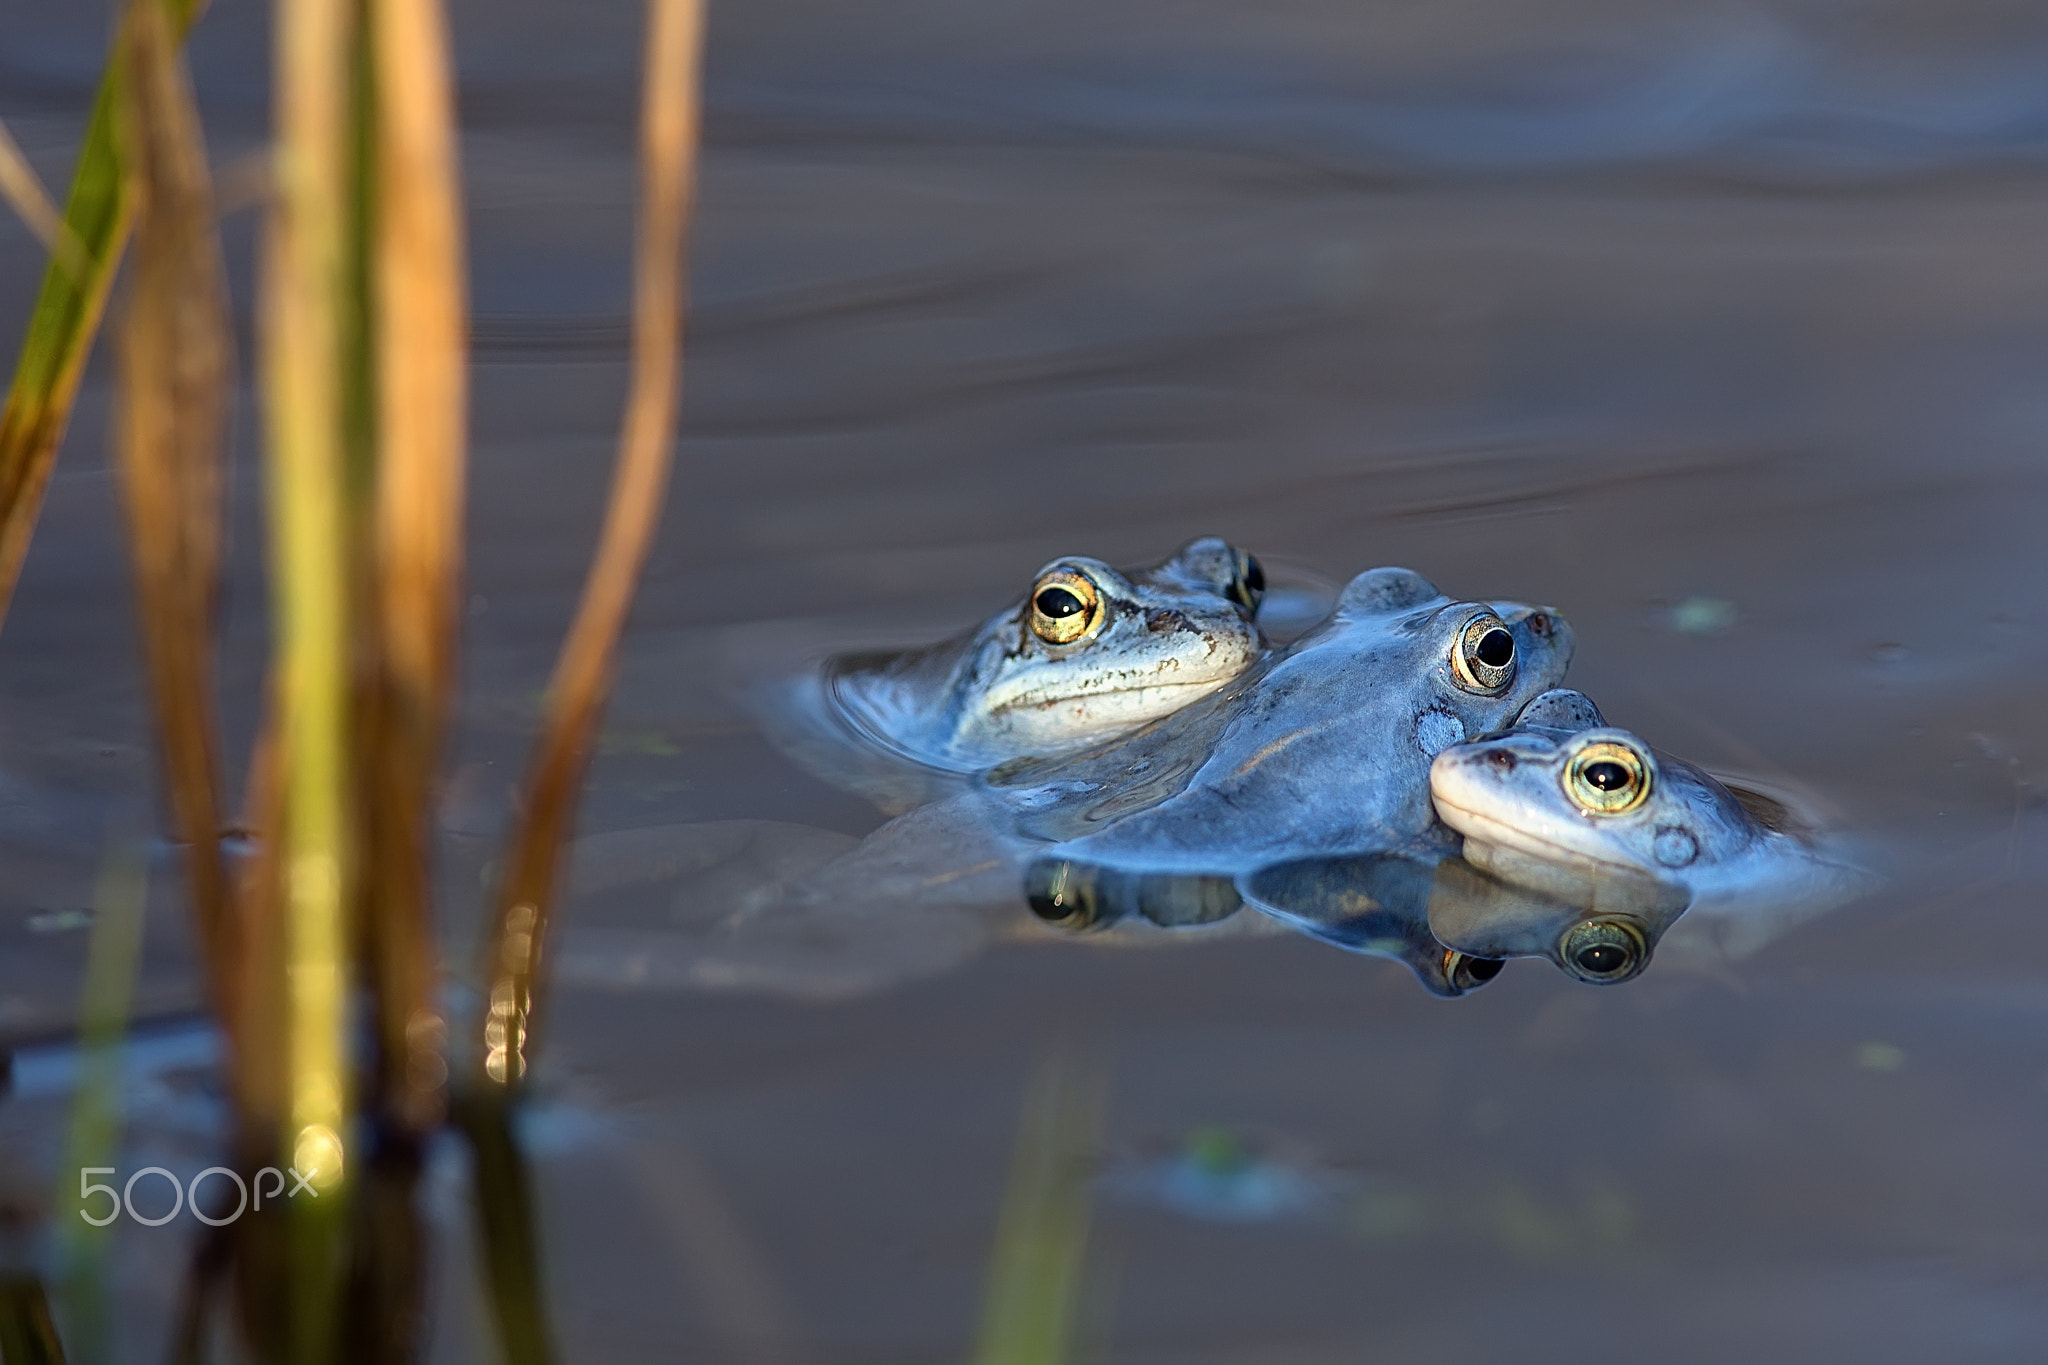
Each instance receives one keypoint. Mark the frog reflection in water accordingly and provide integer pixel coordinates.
(1583, 814)
(1088, 653)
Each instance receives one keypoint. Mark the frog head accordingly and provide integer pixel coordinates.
(1591, 802)
(1088, 652)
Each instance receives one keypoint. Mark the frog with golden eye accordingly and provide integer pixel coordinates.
(1589, 816)
(1088, 653)
(1324, 749)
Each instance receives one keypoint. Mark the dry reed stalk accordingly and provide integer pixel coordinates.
(23, 189)
(302, 316)
(176, 371)
(256, 1255)
(582, 678)
(67, 314)
(419, 336)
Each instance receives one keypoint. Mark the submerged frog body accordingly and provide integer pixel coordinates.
(1325, 749)
(1089, 652)
(1576, 811)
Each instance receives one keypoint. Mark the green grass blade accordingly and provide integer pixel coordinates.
(1031, 1312)
(508, 1236)
(95, 1136)
(66, 316)
(27, 1336)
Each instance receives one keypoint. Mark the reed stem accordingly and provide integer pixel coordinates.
(176, 377)
(419, 334)
(304, 298)
(583, 672)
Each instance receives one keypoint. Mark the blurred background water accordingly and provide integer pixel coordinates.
(1720, 327)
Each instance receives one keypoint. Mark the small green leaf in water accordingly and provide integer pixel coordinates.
(1214, 1150)
(1702, 616)
(1389, 1213)
(637, 744)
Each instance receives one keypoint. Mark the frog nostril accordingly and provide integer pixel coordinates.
(1539, 625)
(1161, 619)
(1502, 760)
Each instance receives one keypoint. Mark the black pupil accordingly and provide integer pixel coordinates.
(1602, 958)
(1254, 576)
(1608, 777)
(1057, 602)
(1483, 968)
(1496, 648)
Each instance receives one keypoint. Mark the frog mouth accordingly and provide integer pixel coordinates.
(1487, 829)
(1186, 677)
(1039, 702)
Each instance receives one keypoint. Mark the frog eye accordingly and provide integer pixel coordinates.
(1606, 778)
(1064, 896)
(1468, 973)
(1065, 606)
(1483, 660)
(1247, 582)
(1603, 951)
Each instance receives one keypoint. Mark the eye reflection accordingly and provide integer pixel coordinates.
(1603, 951)
(1065, 606)
(1483, 659)
(1248, 585)
(1468, 973)
(1063, 896)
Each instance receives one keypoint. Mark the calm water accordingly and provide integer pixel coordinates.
(1719, 327)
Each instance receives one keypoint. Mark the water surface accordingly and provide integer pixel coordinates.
(1720, 327)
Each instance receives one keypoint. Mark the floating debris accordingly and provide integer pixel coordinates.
(1702, 616)
(1216, 1177)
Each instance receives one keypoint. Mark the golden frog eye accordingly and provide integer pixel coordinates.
(1606, 778)
(1065, 606)
(1603, 951)
(1248, 581)
(1483, 659)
